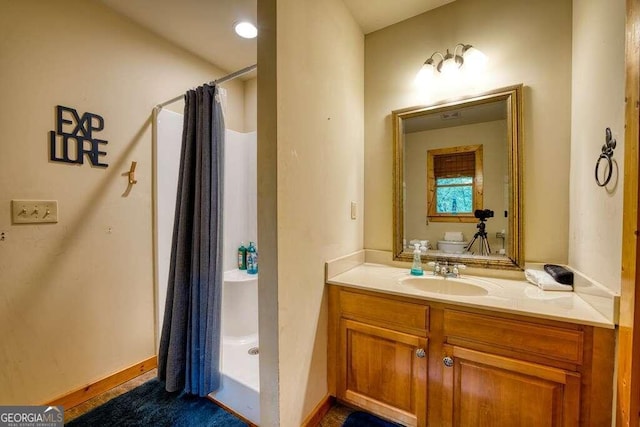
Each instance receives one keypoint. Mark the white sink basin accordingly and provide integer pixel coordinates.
(450, 286)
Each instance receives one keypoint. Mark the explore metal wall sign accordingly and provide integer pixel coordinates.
(74, 137)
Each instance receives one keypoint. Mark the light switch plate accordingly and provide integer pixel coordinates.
(34, 211)
(354, 210)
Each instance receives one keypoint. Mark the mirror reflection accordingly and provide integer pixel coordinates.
(457, 180)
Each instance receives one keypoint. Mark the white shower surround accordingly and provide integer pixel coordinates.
(240, 389)
(240, 375)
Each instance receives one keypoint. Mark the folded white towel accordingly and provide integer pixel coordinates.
(453, 236)
(545, 281)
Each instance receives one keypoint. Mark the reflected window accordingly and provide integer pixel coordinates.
(454, 183)
(454, 195)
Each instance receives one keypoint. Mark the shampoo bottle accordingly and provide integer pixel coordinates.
(416, 268)
(242, 257)
(252, 259)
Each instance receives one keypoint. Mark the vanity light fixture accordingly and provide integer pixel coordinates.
(451, 63)
(245, 30)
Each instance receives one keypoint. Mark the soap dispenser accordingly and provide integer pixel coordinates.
(416, 268)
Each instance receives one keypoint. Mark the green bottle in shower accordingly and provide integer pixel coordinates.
(252, 259)
(242, 257)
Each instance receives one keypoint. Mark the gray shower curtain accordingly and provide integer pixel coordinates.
(189, 354)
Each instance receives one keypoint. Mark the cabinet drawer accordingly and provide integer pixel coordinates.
(399, 315)
(547, 341)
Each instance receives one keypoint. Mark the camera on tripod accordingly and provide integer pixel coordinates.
(483, 245)
(483, 214)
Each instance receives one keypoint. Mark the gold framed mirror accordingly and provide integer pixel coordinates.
(457, 180)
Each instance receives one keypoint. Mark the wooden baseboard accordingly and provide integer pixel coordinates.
(318, 413)
(89, 391)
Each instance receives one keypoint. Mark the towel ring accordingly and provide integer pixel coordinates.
(609, 169)
(607, 154)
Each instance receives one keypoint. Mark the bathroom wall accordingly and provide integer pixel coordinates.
(76, 297)
(526, 42)
(597, 103)
(267, 107)
(310, 169)
(492, 137)
(251, 105)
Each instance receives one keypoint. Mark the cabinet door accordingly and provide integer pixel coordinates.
(383, 371)
(482, 389)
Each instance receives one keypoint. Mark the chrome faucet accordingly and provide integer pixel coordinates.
(442, 268)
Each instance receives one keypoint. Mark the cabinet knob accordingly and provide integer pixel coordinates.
(448, 361)
(420, 353)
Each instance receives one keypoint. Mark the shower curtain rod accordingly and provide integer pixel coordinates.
(214, 82)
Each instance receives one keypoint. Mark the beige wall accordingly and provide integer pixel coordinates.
(318, 147)
(526, 42)
(251, 105)
(493, 138)
(268, 213)
(597, 103)
(76, 297)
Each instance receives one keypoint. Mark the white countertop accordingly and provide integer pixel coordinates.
(502, 295)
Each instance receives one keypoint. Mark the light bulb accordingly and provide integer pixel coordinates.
(246, 30)
(450, 67)
(425, 75)
(450, 64)
(474, 60)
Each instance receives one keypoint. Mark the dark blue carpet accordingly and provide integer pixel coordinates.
(150, 405)
(362, 419)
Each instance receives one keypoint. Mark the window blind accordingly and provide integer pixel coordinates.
(454, 165)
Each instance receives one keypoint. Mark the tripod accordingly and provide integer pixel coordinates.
(485, 249)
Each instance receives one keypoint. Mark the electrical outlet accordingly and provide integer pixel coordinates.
(34, 211)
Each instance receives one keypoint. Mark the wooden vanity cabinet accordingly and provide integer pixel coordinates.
(510, 372)
(481, 389)
(379, 357)
(384, 371)
(424, 363)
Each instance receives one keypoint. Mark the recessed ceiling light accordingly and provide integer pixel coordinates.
(246, 30)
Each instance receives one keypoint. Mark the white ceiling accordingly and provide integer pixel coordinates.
(480, 113)
(373, 15)
(205, 27)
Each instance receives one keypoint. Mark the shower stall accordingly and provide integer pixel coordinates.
(239, 389)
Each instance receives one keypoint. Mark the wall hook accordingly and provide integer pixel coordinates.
(132, 173)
